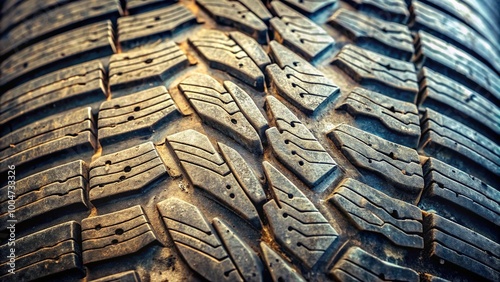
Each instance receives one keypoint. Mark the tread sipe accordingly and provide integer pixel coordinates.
(249, 140)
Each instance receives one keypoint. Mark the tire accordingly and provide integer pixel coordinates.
(230, 140)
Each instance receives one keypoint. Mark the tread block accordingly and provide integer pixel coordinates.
(125, 172)
(208, 172)
(258, 8)
(127, 276)
(450, 29)
(387, 38)
(218, 108)
(239, 14)
(298, 81)
(43, 96)
(51, 251)
(299, 33)
(138, 6)
(61, 188)
(453, 186)
(54, 21)
(377, 72)
(248, 107)
(389, 10)
(144, 26)
(149, 65)
(80, 44)
(467, 15)
(280, 269)
(374, 211)
(295, 222)
(245, 259)
(397, 164)
(450, 98)
(395, 120)
(461, 246)
(359, 265)
(451, 61)
(135, 114)
(26, 10)
(296, 147)
(310, 6)
(67, 132)
(244, 174)
(462, 144)
(252, 48)
(225, 54)
(115, 234)
(197, 241)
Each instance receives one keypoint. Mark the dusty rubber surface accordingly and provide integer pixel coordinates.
(230, 140)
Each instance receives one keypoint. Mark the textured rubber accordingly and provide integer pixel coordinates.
(248, 140)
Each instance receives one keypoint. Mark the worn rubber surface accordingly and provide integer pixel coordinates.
(248, 140)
